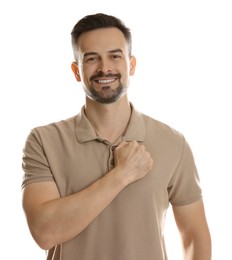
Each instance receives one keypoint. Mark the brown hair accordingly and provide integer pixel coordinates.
(97, 21)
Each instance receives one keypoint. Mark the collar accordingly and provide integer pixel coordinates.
(135, 129)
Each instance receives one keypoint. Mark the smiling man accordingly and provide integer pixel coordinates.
(97, 186)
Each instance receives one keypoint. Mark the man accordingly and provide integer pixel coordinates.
(97, 186)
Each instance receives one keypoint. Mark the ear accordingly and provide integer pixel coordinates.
(76, 71)
(132, 65)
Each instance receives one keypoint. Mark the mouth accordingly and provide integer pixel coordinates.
(105, 81)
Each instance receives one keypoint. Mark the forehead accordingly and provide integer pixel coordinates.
(102, 40)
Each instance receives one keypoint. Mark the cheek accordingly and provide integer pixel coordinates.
(85, 75)
(88, 71)
(127, 72)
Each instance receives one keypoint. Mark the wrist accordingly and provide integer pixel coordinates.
(120, 177)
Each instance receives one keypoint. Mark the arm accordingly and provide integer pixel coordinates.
(53, 220)
(193, 227)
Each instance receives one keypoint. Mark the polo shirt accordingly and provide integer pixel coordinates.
(131, 227)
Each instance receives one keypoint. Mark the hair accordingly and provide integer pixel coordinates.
(98, 21)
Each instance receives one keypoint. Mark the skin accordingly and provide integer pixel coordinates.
(104, 68)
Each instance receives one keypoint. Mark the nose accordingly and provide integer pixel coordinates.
(104, 66)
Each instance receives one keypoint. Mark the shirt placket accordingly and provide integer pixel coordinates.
(110, 162)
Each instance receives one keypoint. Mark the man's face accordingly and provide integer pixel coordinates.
(104, 65)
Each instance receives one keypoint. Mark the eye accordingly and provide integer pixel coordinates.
(91, 59)
(116, 56)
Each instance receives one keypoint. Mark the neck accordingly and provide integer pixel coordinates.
(109, 120)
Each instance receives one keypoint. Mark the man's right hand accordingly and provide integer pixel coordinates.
(133, 161)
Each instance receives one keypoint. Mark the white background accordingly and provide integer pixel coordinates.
(183, 78)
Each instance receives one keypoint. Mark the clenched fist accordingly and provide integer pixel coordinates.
(132, 160)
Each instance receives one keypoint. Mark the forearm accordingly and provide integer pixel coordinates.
(198, 249)
(61, 219)
(193, 227)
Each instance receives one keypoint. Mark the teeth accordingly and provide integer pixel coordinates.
(105, 80)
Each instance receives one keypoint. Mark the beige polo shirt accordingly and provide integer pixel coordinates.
(131, 227)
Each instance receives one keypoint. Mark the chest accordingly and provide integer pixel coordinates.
(76, 166)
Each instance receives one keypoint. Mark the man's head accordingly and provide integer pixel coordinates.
(103, 60)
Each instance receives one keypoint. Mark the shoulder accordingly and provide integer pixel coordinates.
(163, 140)
(57, 126)
(161, 129)
(52, 132)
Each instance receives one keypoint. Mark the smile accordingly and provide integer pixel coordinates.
(105, 81)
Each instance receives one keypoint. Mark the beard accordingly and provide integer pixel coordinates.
(107, 95)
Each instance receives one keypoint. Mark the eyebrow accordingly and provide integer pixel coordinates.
(86, 54)
(116, 50)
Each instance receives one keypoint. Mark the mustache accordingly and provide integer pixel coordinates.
(102, 74)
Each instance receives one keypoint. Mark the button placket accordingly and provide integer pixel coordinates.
(111, 157)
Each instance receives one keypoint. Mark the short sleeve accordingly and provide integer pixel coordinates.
(35, 164)
(184, 187)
